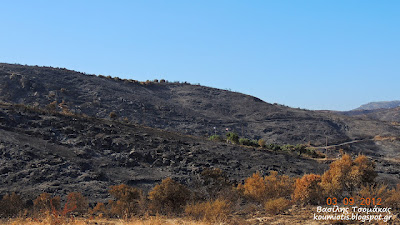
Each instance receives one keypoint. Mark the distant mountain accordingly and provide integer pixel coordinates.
(385, 111)
(389, 115)
(379, 105)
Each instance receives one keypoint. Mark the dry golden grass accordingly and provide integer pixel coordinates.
(148, 221)
(275, 206)
(211, 211)
(386, 138)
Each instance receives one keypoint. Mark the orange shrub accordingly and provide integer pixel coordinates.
(77, 202)
(373, 191)
(363, 171)
(346, 176)
(279, 186)
(308, 190)
(262, 143)
(168, 197)
(335, 179)
(127, 200)
(100, 209)
(44, 202)
(260, 188)
(254, 187)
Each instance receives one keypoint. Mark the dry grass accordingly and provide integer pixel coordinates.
(275, 206)
(214, 211)
(148, 221)
(386, 138)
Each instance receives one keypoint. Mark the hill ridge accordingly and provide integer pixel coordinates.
(190, 109)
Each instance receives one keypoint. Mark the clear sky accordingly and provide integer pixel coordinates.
(309, 54)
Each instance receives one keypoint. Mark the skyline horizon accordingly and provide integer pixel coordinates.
(313, 55)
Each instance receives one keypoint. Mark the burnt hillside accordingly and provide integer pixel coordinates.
(57, 153)
(182, 107)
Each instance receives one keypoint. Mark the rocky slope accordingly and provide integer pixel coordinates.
(190, 109)
(61, 152)
(56, 153)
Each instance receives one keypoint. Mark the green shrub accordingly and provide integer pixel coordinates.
(248, 142)
(301, 149)
(274, 147)
(244, 141)
(215, 138)
(232, 137)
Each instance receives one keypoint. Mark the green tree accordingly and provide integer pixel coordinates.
(232, 137)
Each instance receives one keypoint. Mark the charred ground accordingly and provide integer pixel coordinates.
(61, 152)
(182, 107)
(56, 153)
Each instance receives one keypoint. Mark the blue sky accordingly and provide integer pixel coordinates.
(308, 54)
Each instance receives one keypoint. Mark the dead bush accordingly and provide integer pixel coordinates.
(262, 143)
(308, 190)
(393, 198)
(169, 197)
(52, 107)
(363, 171)
(11, 205)
(346, 176)
(211, 211)
(113, 115)
(127, 200)
(254, 187)
(78, 202)
(65, 108)
(99, 210)
(45, 203)
(276, 206)
(261, 189)
(216, 183)
(373, 191)
(279, 185)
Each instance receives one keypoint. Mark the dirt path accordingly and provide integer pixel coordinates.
(341, 144)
